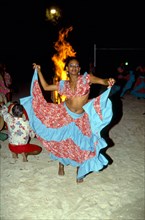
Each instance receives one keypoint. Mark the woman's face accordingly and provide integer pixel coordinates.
(73, 67)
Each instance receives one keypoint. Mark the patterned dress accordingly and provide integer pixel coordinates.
(72, 139)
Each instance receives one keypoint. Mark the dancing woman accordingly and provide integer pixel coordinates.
(70, 131)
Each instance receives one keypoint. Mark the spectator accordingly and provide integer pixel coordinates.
(19, 132)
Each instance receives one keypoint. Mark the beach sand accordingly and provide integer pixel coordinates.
(33, 190)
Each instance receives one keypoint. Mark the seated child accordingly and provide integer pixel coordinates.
(19, 132)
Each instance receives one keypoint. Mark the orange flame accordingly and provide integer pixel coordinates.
(64, 50)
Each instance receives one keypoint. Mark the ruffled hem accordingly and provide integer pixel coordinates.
(75, 141)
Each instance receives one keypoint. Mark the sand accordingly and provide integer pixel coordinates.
(33, 190)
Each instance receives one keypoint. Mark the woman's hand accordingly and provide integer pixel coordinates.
(111, 82)
(36, 66)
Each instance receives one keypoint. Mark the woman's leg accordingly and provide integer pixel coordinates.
(61, 169)
(79, 180)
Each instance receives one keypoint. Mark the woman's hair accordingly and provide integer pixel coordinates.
(17, 110)
(68, 59)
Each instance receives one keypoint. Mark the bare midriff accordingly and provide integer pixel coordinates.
(75, 104)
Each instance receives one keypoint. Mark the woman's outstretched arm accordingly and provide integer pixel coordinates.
(43, 82)
(106, 82)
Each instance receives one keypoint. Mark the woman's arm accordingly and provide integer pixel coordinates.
(106, 82)
(43, 82)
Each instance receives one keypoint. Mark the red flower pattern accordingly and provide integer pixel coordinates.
(55, 116)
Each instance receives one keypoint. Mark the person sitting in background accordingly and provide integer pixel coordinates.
(125, 80)
(5, 82)
(3, 99)
(3, 136)
(19, 132)
(139, 86)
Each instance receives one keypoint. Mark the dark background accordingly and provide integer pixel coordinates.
(116, 27)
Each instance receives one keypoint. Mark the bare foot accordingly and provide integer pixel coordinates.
(24, 157)
(61, 169)
(79, 180)
(14, 155)
(25, 160)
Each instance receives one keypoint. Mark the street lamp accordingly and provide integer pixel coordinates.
(53, 14)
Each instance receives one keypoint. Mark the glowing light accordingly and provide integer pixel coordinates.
(126, 63)
(53, 14)
(52, 11)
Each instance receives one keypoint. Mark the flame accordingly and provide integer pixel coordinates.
(64, 50)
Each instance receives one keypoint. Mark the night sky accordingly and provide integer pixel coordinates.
(27, 35)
